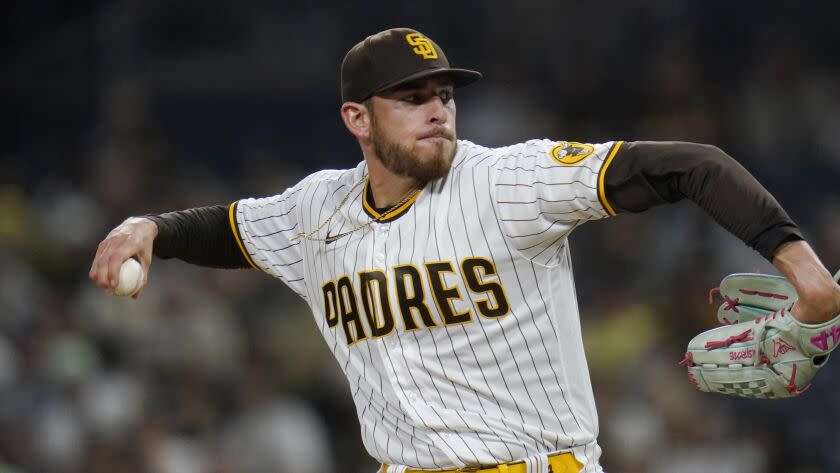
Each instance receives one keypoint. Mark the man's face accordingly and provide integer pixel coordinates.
(413, 128)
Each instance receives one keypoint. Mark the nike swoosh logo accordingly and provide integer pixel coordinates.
(329, 239)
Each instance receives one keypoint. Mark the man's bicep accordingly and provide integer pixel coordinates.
(544, 189)
(555, 182)
(237, 231)
(265, 230)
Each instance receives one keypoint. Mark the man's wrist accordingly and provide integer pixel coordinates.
(146, 223)
(819, 295)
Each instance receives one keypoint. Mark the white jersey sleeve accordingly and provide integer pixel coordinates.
(545, 189)
(265, 230)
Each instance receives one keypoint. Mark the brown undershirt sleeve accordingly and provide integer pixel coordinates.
(201, 236)
(646, 173)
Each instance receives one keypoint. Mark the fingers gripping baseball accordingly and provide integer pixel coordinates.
(131, 239)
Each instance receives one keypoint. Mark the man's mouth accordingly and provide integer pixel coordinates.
(437, 136)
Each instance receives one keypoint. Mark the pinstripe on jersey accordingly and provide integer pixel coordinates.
(442, 372)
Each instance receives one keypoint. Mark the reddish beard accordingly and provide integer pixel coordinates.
(404, 160)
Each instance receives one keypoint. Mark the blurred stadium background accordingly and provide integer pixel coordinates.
(120, 108)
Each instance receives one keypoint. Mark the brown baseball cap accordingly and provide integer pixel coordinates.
(394, 57)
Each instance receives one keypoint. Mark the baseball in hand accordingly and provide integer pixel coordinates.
(131, 277)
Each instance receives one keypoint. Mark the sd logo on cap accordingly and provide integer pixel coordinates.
(391, 58)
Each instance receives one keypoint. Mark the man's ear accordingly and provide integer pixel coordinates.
(356, 118)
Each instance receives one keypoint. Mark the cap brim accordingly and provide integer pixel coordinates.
(459, 77)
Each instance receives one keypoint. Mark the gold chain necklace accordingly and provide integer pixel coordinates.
(312, 236)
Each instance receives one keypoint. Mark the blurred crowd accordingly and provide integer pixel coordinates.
(129, 107)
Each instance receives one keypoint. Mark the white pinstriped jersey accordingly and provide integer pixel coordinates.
(455, 318)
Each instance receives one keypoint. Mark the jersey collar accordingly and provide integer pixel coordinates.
(376, 214)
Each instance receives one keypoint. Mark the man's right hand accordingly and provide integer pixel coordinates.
(132, 238)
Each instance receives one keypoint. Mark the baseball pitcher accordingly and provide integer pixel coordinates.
(439, 275)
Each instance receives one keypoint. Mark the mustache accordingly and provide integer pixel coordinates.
(438, 132)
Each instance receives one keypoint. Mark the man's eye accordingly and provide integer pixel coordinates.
(445, 96)
(413, 98)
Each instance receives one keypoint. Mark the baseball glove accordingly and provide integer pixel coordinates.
(762, 351)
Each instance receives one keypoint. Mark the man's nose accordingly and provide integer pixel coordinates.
(438, 113)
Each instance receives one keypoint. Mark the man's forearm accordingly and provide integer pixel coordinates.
(201, 236)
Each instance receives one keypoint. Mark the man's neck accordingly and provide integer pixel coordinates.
(387, 188)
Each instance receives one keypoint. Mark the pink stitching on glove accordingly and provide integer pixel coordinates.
(742, 337)
(688, 360)
(712, 292)
(693, 381)
(791, 387)
(763, 294)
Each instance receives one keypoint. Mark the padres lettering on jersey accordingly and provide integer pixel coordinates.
(340, 300)
(456, 321)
